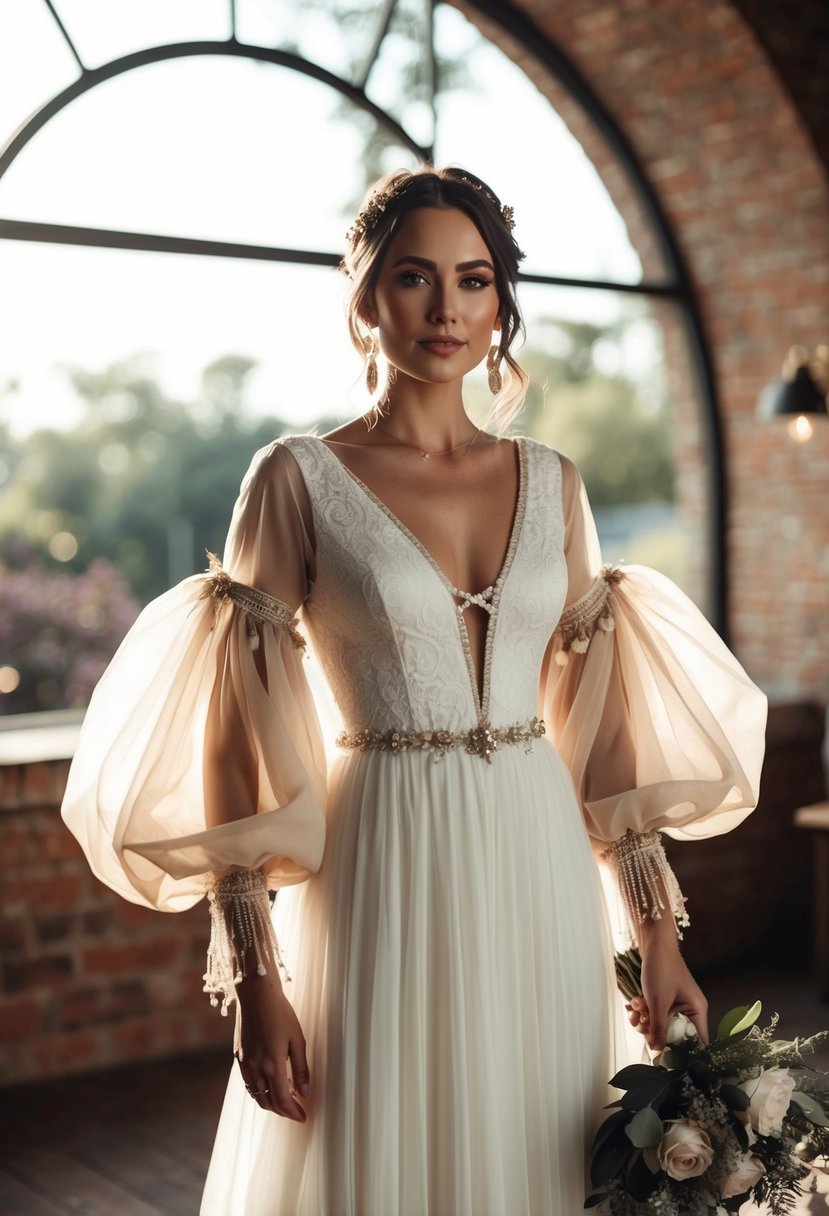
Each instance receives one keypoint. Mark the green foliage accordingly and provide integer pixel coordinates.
(140, 472)
(147, 484)
(738, 1021)
(620, 442)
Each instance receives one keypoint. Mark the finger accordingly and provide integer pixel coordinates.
(257, 1086)
(300, 1073)
(700, 1020)
(657, 1026)
(284, 1101)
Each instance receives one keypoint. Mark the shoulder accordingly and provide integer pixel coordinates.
(548, 456)
(274, 470)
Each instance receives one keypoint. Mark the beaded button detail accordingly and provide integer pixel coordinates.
(482, 740)
(484, 599)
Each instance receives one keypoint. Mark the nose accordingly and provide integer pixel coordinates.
(443, 308)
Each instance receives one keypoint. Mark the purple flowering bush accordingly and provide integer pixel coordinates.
(58, 631)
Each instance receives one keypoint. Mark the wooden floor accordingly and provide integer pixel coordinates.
(135, 1141)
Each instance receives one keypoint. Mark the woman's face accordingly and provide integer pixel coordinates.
(435, 303)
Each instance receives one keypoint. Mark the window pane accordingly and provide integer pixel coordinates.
(35, 62)
(336, 34)
(217, 148)
(401, 80)
(493, 120)
(103, 306)
(101, 34)
(612, 389)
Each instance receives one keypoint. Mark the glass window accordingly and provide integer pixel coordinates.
(35, 62)
(219, 148)
(102, 31)
(140, 362)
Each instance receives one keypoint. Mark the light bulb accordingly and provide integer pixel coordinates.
(801, 429)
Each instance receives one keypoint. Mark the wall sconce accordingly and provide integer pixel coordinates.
(801, 395)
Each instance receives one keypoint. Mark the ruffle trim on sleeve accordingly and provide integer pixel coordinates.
(593, 611)
(646, 880)
(257, 604)
(241, 932)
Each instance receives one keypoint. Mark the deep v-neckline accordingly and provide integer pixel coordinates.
(481, 693)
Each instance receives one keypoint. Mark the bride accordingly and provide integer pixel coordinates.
(432, 1028)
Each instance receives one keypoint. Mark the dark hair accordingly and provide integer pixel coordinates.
(387, 203)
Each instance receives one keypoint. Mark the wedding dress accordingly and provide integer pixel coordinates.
(440, 907)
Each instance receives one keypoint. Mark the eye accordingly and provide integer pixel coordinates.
(476, 282)
(411, 278)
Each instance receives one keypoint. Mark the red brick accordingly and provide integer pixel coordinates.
(58, 844)
(15, 846)
(131, 956)
(61, 1054)
(15, 936)
(135, 916)
(93, 1006)
(47, 972)
(99, 921)
(20, 1019)
(57, 890)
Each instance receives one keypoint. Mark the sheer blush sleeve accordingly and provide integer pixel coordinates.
(661, 728)
(200, 753)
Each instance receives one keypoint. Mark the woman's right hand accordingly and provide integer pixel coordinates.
(272, 1035)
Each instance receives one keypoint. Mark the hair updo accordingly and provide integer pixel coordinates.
(386, 205)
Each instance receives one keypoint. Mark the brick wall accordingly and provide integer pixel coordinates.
(796, 37)
(88, 980)
(738, 175)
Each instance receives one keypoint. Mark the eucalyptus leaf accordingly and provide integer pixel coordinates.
(593, 1201)
(645, 1128)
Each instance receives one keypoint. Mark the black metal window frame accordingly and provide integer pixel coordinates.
(676, 287)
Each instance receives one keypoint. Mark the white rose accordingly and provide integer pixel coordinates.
(746, 1174)
(685, 1150)
(769, 1096)
(679, 1030)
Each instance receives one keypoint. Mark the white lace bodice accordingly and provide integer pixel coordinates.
(387, 624)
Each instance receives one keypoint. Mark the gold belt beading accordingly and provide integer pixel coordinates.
(482, 740)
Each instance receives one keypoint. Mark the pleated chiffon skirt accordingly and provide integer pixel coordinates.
(452, 974)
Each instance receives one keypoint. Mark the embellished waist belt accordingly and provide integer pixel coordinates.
(482, 740)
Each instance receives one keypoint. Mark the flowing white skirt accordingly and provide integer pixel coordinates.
(452, 976)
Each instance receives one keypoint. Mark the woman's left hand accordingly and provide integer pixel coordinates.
(667, 987)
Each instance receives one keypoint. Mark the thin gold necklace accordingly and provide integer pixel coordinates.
(467, 444)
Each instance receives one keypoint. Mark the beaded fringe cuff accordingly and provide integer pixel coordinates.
(258, 605)
(646, 880)
(593, 611)
(241, 931)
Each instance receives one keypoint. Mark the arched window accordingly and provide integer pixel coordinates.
(177, 179)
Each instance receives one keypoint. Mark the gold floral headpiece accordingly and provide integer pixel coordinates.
(376, 205)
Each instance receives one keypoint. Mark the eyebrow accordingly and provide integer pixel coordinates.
(427, 265)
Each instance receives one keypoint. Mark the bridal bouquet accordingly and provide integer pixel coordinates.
(703, 1129)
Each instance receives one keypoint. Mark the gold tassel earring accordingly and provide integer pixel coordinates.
(371, 365)
(493, 360)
